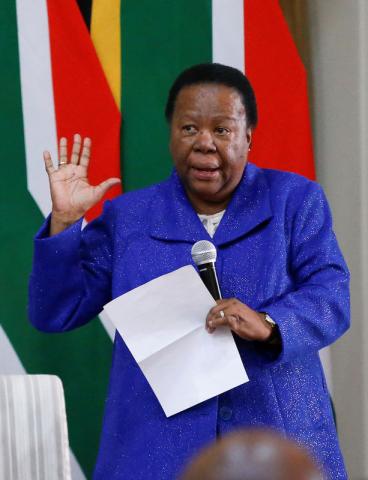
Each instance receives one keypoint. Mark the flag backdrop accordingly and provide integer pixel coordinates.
(68, 69)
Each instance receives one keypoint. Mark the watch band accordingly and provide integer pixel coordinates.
(274, 338)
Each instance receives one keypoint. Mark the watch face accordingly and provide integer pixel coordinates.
(269, 320)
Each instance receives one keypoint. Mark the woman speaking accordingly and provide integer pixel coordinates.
(283, 279)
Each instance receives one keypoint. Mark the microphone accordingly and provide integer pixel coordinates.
(204, 256)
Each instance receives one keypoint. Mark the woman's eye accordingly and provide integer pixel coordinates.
(189, 129)
(222, 130)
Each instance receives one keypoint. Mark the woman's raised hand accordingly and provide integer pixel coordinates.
(71, 193)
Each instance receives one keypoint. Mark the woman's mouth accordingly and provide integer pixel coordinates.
(209, 173)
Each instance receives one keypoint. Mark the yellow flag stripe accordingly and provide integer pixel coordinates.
(105, 33)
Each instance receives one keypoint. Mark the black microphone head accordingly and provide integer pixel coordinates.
(204, 252)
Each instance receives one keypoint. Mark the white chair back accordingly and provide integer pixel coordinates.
(34, 441)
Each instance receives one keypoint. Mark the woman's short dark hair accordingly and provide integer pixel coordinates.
(217, 74)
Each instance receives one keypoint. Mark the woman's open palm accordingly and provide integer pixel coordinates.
(71, 193)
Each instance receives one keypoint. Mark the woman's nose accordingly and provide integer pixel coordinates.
(204, 142)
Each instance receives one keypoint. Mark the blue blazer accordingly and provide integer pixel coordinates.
(276, 252)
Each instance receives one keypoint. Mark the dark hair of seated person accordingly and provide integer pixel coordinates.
(215, 73)
(253, 455)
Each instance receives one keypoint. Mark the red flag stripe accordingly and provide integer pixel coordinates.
(283, 139)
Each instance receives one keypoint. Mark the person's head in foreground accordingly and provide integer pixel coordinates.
(211, 110)
(253, 455)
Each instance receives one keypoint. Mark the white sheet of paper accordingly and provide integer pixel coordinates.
(163, 324)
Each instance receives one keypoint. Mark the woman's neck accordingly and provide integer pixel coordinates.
(205, 207)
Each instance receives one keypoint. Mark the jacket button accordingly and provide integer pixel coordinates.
(225, 413)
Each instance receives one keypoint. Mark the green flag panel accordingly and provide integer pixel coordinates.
(159, 39)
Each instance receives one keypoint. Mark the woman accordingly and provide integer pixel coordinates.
(282, 276)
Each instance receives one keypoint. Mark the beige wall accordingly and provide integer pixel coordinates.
(338, 31)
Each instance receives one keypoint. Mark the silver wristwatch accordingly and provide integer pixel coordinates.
(275, 334)
(269, 320)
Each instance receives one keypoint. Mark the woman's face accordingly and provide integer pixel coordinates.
(209, 143)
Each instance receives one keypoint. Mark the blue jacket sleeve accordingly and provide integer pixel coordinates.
(317, 311)
(71, 275)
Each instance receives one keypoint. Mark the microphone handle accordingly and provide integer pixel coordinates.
(207, 272)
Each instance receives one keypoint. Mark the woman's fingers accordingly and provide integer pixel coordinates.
(217, 314)
(77, 143)
(76, 156)
(217, 317)
(104, 186)
(221, 304)
(218, 320)
(48, 162)
(225, 313)
(63, 152)
(86, 152)
(227, 320)
(241, 319)
(72, 195)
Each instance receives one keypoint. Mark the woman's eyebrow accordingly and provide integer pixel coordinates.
(194, 114)
(226, 117)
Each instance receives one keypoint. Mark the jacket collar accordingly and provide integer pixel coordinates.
(174, 219)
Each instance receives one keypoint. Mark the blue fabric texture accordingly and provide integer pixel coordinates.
(276, 252)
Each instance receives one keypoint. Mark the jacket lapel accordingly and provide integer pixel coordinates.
(172, 216)
(249, 207)
(174, 219)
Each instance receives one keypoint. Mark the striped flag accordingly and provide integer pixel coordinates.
(65, 72)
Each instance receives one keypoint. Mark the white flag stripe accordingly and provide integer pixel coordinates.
(9, 360)
(10, 365)
(109, 327)
(37, 96)
(77, 473)
(228, 33)
(326, 360)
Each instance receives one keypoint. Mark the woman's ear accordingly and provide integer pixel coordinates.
(249, 137)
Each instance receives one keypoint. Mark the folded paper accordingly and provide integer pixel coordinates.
(163, 324)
